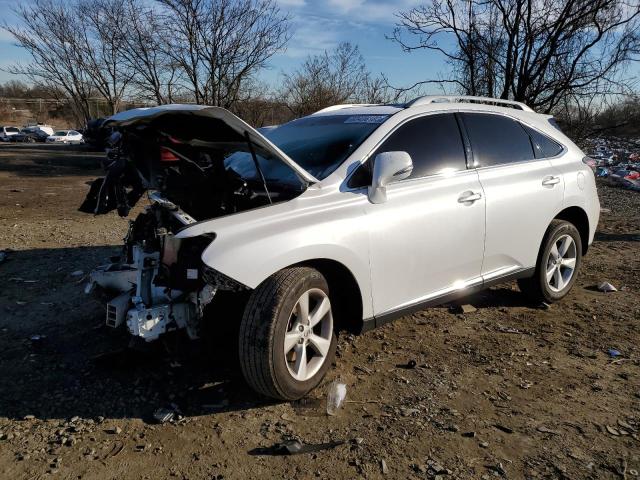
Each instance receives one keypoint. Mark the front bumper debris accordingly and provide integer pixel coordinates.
(148, 310)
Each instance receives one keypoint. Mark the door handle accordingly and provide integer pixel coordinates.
(469, 197)
(550, 181)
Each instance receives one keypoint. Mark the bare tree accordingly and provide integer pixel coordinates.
(155, 74)
(101, 51)
(220, 44)
(332, 78)
(536, 51)
(52, 34)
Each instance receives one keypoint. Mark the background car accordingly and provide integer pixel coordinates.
(7, 132)
(65, 136)
(30, 135)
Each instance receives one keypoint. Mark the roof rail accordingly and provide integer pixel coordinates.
(427, 99)
(344, 105)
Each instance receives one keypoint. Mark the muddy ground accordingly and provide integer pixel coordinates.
(510, 390)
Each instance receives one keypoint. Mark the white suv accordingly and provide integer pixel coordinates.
(345, 219)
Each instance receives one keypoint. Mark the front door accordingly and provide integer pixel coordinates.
(427, 239)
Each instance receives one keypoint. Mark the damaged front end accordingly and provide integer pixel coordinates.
(158, 280)
(194, 163)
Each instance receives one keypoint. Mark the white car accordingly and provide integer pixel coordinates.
(7, 132)
(65, 136)
(345, 219)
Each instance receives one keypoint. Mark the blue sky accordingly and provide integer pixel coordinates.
(318, 25)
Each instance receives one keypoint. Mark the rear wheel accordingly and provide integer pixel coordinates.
(287, 339)
(558, 264)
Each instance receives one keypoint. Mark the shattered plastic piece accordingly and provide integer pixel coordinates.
(295, 447)
(335, 398)
(607, 287)
(613, 353)
(77, 273)
(163, 415)
(3, 256)
(89, 287)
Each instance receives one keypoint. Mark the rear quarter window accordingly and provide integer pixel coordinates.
(544, 146)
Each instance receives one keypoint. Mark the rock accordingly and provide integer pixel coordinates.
(613, 431)
(484, 444)
(29, 417)
(469, 434)
(115, 430)
(503, 428)
(543, 429)
(408, 412)
(383, 467)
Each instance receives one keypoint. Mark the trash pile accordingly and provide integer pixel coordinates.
(616, 159)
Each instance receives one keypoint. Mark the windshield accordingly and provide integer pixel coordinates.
(319, 144)
(12, 129)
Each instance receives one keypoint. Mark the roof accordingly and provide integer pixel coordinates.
(380, 109)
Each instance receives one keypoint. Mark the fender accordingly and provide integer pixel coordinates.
(251, 246)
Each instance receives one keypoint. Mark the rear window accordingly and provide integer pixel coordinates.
(497, 140)
(60, 133)
(320, 144)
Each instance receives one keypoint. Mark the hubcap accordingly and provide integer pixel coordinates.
(309, 333)
(561, 263)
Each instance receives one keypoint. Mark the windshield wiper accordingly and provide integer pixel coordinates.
(258, 168)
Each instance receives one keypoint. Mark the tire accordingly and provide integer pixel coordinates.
(271, 314)
(538, 288)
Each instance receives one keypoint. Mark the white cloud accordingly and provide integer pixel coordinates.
(292, 3)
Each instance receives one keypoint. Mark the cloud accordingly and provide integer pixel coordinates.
(291, 3)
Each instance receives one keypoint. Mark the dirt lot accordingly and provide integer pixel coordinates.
(510, 390)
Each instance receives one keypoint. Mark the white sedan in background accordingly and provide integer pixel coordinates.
(65, 136)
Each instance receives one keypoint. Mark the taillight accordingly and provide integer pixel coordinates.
(590, 161)
(167, 155)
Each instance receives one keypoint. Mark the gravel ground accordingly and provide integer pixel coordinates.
(509, 390)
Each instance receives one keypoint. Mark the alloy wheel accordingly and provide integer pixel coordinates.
(309, 332)
(561, 263)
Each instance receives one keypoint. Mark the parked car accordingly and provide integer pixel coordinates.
(30, 135)
(65, 136)
(345, 219)
(48, 129)
(7, 132)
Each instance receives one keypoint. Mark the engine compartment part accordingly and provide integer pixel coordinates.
(200, 166)
(158, 281)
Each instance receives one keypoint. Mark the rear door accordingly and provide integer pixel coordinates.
(523, 191)
(427, 239)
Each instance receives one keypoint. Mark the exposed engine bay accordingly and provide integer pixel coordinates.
(192, 169)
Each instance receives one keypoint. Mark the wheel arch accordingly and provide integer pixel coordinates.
(578, 218)
(344, 291)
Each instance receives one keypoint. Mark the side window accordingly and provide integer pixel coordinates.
(543, 145)
(497, 140)
(433, 141)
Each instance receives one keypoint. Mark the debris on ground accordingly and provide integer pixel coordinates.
(3, 256)
(613, 353)
(167, 414)
(295, 447)
(335, 397)
(606, 287)
(464, 308)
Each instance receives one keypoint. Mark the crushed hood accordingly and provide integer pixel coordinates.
(141, 116)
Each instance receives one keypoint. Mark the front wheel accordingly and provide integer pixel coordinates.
(558, 264)
(287, 339)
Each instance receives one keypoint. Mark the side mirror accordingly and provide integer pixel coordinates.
(388, 167)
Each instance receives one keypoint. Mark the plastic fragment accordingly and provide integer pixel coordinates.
(607, 287)
(335, 398)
